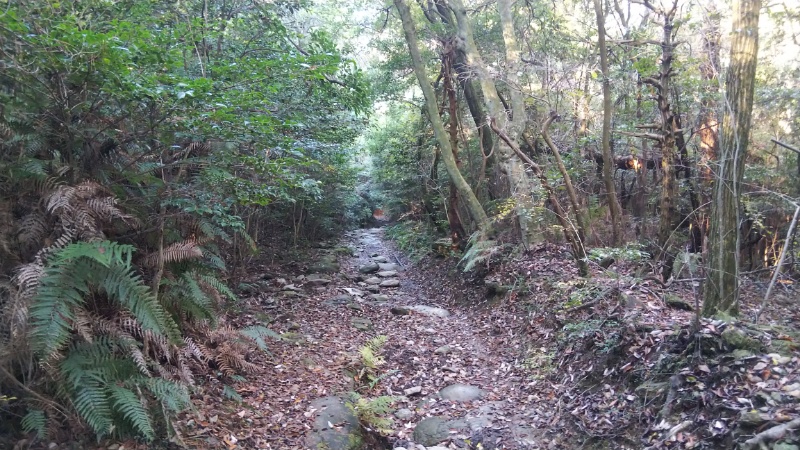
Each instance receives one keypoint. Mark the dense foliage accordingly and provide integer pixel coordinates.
(145, 148)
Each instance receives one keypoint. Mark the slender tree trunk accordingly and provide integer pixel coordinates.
(721, 292)
(708, 126)
(465, 191)
(570, 231)
(640, 197)
(608, 159)
(457, 233)
(519, 184)
(571, 193)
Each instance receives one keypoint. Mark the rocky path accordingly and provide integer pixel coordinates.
(450, 368)
(452, 385)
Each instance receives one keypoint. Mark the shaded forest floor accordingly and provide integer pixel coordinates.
(557, 361)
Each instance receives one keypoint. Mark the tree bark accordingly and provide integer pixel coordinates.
(519, 184)
(465, 191)
(708, 126)
(457, 232)
(573, 196)
(608, 161)
(721, 291)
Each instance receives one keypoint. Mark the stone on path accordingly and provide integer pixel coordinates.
(431, 431)
(374, 289)
(404, 413)
(430, 311)
(380, 259)
(379, 298)
(400, 311)
(388, 266)
(387, 273)
(443, 350)
(461, 393)
(338, 300)
(373, 280)
(361, 323)
(316, 279)
(391, 282)
(326, 264)
(371, 267)
(346, 434)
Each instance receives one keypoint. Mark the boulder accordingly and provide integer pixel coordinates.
(461, 393)
(387, 267)
(387, 273)
(326, 264)
(316, 279)
(431, 311)
(371, 267)
(400, 311)
(379, 298)
(346, 434)
(361, 323)
(391, 282)
(373, 280)
(380, 259)
(430, 431)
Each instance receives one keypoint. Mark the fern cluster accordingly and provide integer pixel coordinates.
(373, 412)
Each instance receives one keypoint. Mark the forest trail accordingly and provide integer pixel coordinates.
(451, 370)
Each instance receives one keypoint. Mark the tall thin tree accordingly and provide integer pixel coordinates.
(608, 159)
(721, 291)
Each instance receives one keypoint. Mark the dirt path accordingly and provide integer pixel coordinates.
(323, 325)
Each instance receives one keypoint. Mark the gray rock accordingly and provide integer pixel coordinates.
(355, 306)
(431, 311)
(380, 259)
(388, 266)
(461, 393)
(326, 264)
(316, 279)
(443, 350)
(391, 282)
(338, 300)
(346, 435)
(371, 267)
(400, 311)
(415, 390)
(379, 298)
(373, 288)
(373, 280)
(431, 431)
(361, 323)
(387, 273)
(403, 414)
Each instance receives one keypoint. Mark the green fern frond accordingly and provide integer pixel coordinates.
(231, 394)
(216, 262)
(128, 405)
(478, 252)
(217, 284)
(209, 230)
(35, 421)
(92, 403)
(173, 396)
(257, 333)
(75, 271)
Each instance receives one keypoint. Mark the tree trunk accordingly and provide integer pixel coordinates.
(721, 292)
(708, 126)
(457, 233)
(608, 160)
(519, 184)
(467, 195)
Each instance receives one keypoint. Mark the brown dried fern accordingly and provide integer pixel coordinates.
(176, 252)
